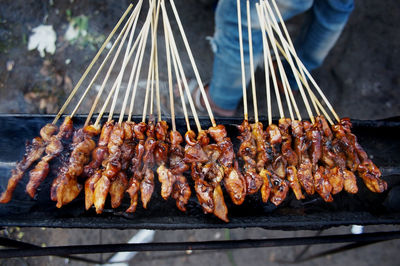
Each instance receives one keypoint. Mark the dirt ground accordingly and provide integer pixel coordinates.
(360, 76)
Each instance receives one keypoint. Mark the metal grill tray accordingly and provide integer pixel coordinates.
(379, 138)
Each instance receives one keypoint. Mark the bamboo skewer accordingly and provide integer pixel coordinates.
(289, 40)
(116, 82)
(75, 89)
(148, 81)
(131, 19)
(253, 83)
(143, 48)
(244, 92)
(103, 64)
(271, 67)
(309, 76)
(196, 72)
(170, 86)
(177, 61)
(135, 62)
(275, 26)
(124, 64)
(266, 65)
(311, 93)
(273, 43)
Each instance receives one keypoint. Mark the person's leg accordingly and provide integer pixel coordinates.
(226, 83)
(327, 20)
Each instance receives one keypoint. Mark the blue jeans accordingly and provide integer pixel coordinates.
(318, 35)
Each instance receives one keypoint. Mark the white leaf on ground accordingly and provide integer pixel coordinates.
(43, 39)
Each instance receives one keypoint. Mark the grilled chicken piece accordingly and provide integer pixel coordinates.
(147, 186)
(181, 192)
(248, 147)
(263, 151)
(117, 189)
(220, 209)
(100, 153)
(89, 188)
(336, 180)
(253, 180)
(193, 151)
(288, 153)
(350, 182)
(166, 179)
(65, 187)
(113, 167)
(33, 152)
(370, 174)
(304, 175)
(279, 189)
(235, 184)
(177, 163)
(133, 190)
(294, 184)
(266, 185)
(313, 135)
(322, 185)
(53, 149)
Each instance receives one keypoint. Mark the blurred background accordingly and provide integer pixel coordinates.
(361, 77)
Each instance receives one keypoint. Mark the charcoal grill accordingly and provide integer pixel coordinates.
(379, 138)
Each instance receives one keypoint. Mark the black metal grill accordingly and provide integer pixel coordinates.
(379, 138)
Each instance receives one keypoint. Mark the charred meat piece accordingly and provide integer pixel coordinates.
(287, 151)
(322, 185)
(235, 184)
(304, 175)
(279, 189)
(181, 192)
(113, 167)
(294, 184)
(65, 187)
(33, 152)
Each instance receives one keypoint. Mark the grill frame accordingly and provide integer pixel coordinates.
(366, 208)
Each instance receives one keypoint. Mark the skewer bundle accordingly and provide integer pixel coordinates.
(307, 157)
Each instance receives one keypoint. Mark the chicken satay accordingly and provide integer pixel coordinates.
(304, 175)
(147, 184)
(348, 147)
(120, 183)
(248, 152)
(350, 182)
(371, 174)
(367, 170)
(279, 186)
(233, 180)
(279, 189)
(288, 153)
(322, 184)
(161, 151)
(294, 184)
(65, 187)
(181, 192)
(112, 168)
(136, 163)
(193, 151)
(33, 152)
(53, 149)
(177, 163)
(264, 152)
(92, 170)
(291, 157)
(313, 135)
(100, 153)
(235, 184)
(336, 179)
(266, 186)
(206, 173)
